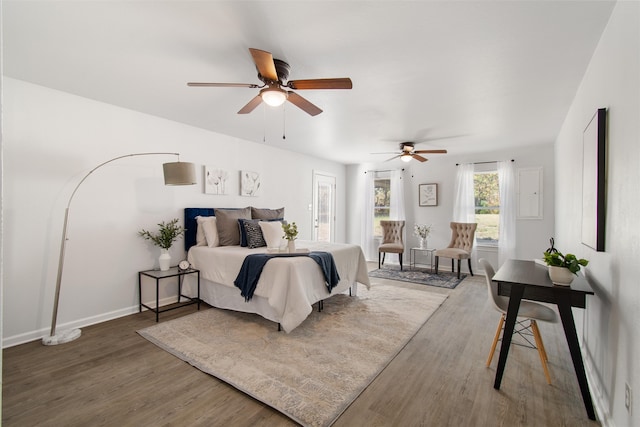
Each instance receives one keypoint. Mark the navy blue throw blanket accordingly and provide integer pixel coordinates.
(253, 264)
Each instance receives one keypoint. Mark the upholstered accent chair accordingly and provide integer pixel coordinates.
(459, 248)
(526, 325)
(391, 240)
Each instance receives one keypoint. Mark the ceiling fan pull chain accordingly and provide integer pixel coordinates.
(264, 124)
(284, 121)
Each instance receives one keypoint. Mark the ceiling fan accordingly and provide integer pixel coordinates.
(408, 152)
(274, 74)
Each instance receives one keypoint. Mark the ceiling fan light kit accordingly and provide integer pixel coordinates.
(273, 96)
(273, 73)
(406, 157)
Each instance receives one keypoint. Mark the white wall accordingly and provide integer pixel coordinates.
(51, 139)
(532, 236)
(610, 326)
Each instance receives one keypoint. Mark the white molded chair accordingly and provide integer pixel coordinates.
(529, 310)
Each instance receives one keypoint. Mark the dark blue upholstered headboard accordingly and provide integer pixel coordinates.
(191, 224)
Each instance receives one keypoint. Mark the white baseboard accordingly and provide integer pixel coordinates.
(599, 404)
(81, 323)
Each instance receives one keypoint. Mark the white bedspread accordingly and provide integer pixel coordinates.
(290, 284)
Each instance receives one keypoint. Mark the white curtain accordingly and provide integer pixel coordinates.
(507, 239)
(368, 243)
(397, 196)
(397, 201)
(464, 202)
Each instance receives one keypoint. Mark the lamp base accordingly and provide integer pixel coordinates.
(62, 337)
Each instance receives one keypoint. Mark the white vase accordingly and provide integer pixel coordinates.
(291, 246)
(164, 259)
(423, 243)
(561, 275)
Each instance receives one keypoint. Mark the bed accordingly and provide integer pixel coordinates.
(288, 286)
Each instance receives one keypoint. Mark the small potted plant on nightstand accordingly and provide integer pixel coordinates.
(562, 268)
(291, 234)
(167, 234)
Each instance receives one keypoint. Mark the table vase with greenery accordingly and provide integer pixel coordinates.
(291, 234)
(167, 234)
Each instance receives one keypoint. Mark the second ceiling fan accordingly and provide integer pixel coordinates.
(408, 152)
(274, 74)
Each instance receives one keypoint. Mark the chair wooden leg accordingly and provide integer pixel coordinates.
(379, 258)
(536, 330)
(495, 340)
(437, 259)
(459, 264)
(400, 258)
(541, 350)
(470, 271)
(453, 269)
(544, 350)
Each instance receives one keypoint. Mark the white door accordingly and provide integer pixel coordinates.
(324, 200)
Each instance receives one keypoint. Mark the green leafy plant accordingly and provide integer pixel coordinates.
(166, 235)
(290, 231)
(557, 259)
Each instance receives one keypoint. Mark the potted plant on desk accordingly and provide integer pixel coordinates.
(167, 234)
(562, 268)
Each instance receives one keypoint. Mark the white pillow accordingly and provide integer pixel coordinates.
(201, 239)
(211, 232)
(272, 233)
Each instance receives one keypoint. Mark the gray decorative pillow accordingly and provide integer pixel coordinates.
(254, 235)
(227, 222)
(257, 213)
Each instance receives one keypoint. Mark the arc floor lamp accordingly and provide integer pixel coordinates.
(175, 173)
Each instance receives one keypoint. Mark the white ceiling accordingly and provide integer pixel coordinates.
(493, 74)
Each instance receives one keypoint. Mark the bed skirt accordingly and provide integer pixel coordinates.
(228, 298)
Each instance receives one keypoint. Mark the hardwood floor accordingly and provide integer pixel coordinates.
(113, 377)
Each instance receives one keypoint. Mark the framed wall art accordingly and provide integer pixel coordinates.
(215, 180)
(593, 180)
(428, 194)
(249, 183)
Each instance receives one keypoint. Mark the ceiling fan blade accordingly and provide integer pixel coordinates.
(251, 105)
(340, 83)
(303, 104)
(431, 151)
(196, 84)
(394, 157)
(419, 158)
(264, 63)
(385, 152)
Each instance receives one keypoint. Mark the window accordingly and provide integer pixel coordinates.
(487, 205)
(381, 201)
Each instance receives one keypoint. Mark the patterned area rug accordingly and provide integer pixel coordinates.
(315, 372)
(444, 279)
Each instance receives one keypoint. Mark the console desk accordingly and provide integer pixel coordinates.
(519, 279)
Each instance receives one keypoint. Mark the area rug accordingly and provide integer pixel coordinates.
(313, 373)
(444, 279)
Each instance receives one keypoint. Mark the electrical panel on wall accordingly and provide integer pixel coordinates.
(529, 193)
